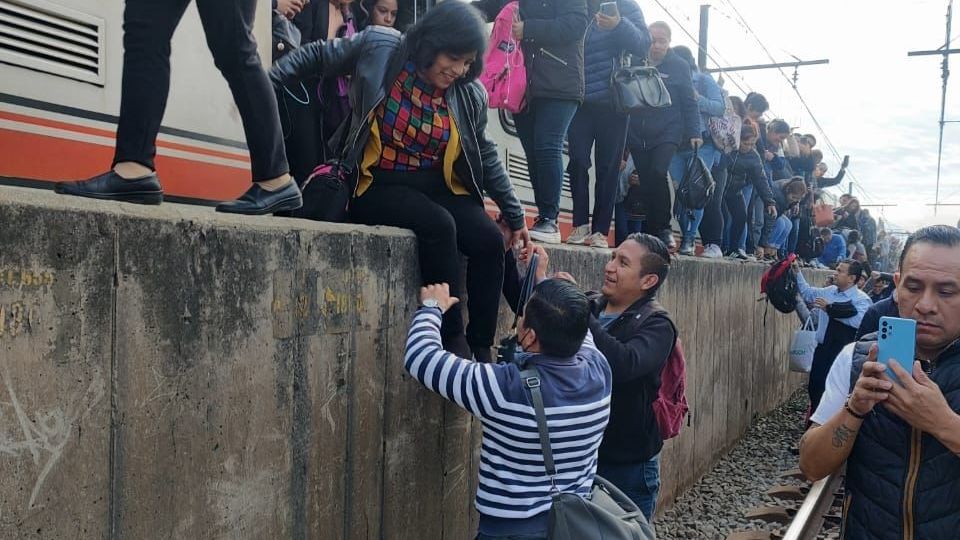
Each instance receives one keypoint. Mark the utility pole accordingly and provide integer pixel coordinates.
(945, 51)
(702, 46)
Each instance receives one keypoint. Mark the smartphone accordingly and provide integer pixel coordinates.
(897, 340)
(609, 9)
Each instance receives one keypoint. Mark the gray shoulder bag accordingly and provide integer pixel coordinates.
(607, 514)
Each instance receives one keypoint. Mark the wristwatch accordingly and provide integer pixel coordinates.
(431, 303)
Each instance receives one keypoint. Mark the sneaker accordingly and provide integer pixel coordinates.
(545, 230)
(712, 251)
(688, 246)
(597, 240)
(739, 254)
(666, 236)
(579, 235)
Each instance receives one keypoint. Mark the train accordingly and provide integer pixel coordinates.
(60, 77)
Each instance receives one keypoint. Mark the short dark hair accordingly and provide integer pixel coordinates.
(684, 52)
(811, 140)
(663, 26)
(757, 102)
(817, 156)
(938, 235)
(655, 261)
(779, 126)
(450, 27)
(826, 231)
(747, 131)
(853, 236)
(559, 313)
(854, 268)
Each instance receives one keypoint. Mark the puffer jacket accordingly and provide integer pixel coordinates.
(374, 59)
(903, 483)
(675, 124)
(552, 45)
(602, 50)
(743, 169)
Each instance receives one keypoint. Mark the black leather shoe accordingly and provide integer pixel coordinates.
(112, 186)
(258, 201)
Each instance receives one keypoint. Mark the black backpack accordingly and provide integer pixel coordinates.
(697, 186)
(779, 284)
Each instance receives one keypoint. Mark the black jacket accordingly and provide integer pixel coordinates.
(902, 482)
(871, 319)
(374, 59)
(637, 346)
(748, 168)
(675, 124)
(552, 44)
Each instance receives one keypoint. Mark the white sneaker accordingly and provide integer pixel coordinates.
(597, 240)
(712, 251)
(579, 235)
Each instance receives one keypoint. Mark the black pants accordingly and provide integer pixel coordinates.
(148, 27)
(711, 227)
(652, 165)
(737, 208)
(446, 225)
(605, 130)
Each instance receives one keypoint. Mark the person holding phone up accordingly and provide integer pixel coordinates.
(617, 29)
(901, 441)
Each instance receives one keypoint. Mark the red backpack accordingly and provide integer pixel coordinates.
(670, 408)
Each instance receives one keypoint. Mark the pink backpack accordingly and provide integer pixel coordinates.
(504, 75)
(670, 408)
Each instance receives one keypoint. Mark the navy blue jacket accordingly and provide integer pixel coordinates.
(675, 124)
(902, 482)
(602, 50)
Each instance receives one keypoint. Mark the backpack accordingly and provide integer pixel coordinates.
(504, 74)
(779, 284)
(697, 186)
(670, 408)
(725, 130)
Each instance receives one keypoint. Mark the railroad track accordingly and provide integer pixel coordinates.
(804, 511)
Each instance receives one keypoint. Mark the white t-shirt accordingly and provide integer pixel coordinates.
(837, 387)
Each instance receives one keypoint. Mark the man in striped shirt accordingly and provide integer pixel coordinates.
(514, 491)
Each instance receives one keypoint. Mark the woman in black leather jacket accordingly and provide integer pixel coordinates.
(745, 167)
(416, 144)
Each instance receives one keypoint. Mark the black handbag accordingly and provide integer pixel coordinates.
(328, 189)
(286, 35)
(697, 186)
(637, 87)
(607, 513)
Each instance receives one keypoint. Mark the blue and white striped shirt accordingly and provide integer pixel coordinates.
(513, 495)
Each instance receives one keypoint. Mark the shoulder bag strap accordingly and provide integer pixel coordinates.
(531, 380)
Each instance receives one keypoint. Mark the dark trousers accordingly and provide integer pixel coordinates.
(652, 165)
(228, 24)
(542, 127)
(446, 225)
(711, 228)
(737, 208)
(605, 130)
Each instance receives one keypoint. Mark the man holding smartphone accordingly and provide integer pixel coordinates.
(903, 456)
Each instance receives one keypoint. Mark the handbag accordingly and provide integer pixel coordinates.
(286, 35)
(802, 347)
(637, 87)
(606, 513)
(697, 186)
(328, 189)
(823, 215)
(725, 130)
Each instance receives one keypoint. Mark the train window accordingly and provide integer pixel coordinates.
(409, 11)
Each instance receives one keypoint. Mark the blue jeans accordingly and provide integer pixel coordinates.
(623, 226)
(639, 481)
(781, 232)
(794, 237)
(678, 166)
(542, 127)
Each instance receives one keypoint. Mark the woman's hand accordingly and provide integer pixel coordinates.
(772, 210)
(289, 8)
(543, 260)
(520, 235)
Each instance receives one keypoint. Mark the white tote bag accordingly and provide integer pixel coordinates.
(802, 347)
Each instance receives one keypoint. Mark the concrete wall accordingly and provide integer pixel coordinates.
(173, 373)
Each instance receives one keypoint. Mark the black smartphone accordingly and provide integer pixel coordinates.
(609, 9)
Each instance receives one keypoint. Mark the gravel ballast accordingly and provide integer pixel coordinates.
(715, 505)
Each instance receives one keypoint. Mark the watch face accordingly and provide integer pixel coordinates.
(431, 302)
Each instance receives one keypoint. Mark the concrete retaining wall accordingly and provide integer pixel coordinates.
(173, 373)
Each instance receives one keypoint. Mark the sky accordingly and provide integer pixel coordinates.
(872, 101)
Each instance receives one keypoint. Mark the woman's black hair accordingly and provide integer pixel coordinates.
(684, 52)
(455, 28)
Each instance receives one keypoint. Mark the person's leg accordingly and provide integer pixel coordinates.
(148, 26)
(712, 224)
(658, 190)
(638, 481)
(818, 376)
(779, 233)
(678, 167)
(542, 129)
(738, 215)
(580, 139)
(740, 239)
(610, 130)
(228, 25)
(480, 240)
(436, 231)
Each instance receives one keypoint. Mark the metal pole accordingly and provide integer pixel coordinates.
(943, 101)
(704, 25)
(850, 189)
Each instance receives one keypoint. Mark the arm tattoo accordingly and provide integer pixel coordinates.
(841, 435)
